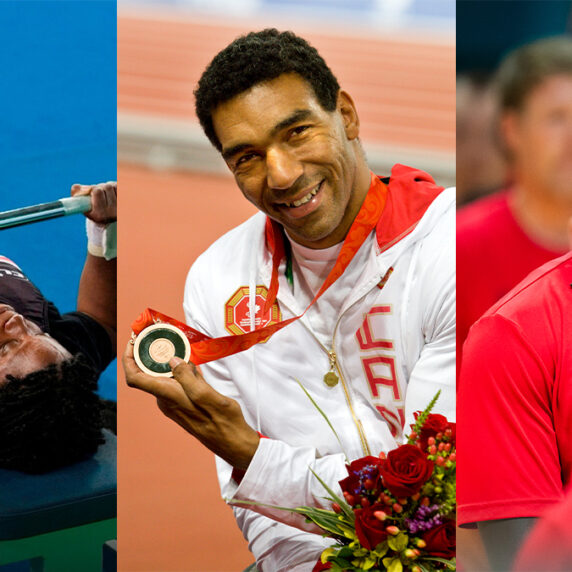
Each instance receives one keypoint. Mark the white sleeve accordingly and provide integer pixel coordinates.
(280, 540)
(278, 547)
(287, 468)
(435, 367)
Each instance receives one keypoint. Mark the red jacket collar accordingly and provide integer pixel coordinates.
(410, 192)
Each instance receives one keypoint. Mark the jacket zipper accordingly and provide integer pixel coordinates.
(335, 363)
(357, 421)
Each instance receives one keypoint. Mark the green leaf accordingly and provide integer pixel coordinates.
(346, 508)
(325, 519)
(450, 564)
(325, 417)
(345, 552)
(393, 564)
(423, 417)
(327, 553)
(341, 562)
(368, 564)
(381, 549)
(399, 542)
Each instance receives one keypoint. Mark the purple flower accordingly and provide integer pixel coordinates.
(425, 518)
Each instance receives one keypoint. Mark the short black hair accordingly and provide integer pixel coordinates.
(50, 418)
(527, 66)
(255, 58)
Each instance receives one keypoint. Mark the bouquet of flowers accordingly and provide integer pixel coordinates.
(398, 510)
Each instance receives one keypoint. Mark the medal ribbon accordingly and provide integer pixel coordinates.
(205, 349)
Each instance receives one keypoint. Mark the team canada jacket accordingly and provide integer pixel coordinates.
(392, 348)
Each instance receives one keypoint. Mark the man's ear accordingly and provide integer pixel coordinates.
(509, 126)
(349, 115)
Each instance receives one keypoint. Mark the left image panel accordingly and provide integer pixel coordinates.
(58, 213)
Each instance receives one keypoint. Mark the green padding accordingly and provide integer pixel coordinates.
(77, 549)
(73, 496)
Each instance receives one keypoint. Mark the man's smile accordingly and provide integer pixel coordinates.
(305, 197)
(305, 202)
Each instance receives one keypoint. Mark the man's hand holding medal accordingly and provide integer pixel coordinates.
(155, 362)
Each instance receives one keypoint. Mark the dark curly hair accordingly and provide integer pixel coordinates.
(529, 65)
(255, 58)
(50, 418)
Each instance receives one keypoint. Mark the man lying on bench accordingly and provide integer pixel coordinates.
(50, 415)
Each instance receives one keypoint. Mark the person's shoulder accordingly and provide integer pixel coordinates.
(416, 206)
(541, 288)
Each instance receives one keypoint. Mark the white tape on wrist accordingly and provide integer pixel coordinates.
(101, 239)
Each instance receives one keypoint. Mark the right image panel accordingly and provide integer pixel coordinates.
(514, 285)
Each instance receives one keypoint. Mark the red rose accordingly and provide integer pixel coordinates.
(356, 467)
(370, 531)
(434, 424)
(441, 540)
(350, 485)
(405, 470)
(363, 476)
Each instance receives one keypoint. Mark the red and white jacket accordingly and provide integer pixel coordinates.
(394, 340)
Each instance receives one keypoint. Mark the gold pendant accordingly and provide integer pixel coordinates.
(331, 379)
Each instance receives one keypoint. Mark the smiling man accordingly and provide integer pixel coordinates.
(50, 415)
(362, 267)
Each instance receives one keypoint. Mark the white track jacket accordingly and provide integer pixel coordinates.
(394, 340)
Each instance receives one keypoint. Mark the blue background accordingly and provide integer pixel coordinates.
(57, 127)
(486, 31)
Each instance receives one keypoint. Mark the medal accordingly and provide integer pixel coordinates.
(331, 379)
(156, 345)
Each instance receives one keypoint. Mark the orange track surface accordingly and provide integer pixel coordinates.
(404, 89)
(171, 516)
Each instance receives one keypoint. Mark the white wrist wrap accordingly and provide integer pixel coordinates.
(101, 239)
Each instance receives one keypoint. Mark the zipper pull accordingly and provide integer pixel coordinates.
(331, 379)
